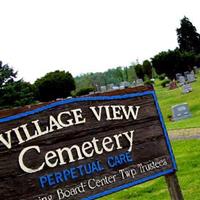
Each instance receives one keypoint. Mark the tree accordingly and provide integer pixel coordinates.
(7, 74)
(139, 71)
(13, 93)
(188, 38)
(131, 73)
(173, 61)
(147, 68)
(17, 93)
(53, 85)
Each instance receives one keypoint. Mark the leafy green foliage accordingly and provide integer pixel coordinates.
(147, 68)
(162, 77)
(13, 93)
(174, 61)
(165, 82)
(139, 71)
(188, 38)
(148, 82)
(7, 74)
(84, 91)
(183, 58)
(53, 85)
(18, 93)
(115, 76)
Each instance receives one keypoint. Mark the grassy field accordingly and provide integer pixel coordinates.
(187, 153)
(168, 98)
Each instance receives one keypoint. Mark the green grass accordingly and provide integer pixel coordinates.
(168, 98)
(187, 153)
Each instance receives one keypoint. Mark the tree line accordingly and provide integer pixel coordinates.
(61, 84)
(166, 63)
(14, 93)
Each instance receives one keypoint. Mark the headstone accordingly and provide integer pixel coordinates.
(190, 78)
(196, 69)
(181, 80)
(152, 80)
(133, 84)
(173, 85)
(192, 72)
(178, 75)
(125, 84)
(187, 88)
(139, 82)
(180, 111)
(115, 87)
(92, 92)
(110, 87)
(103, 88)
(186, 73)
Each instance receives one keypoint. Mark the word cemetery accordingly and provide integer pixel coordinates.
(84, 148)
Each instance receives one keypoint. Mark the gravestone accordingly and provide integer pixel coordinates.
(124, 84)
(192, 72)
(187, 88)
(103, 88)
(180, 111)
(139, 82)
(196, 69)
(186, 73)
(181, 80)
(167, 85)
(133, 84)
(110, 87)
(190, 78)
(115, 87)
(178, 75)
(92, 92)
(152, 80)
(172, 85)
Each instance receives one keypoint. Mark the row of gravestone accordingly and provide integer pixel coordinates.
(184, 80)
(182, 111)
(122, 85)
(188, 77)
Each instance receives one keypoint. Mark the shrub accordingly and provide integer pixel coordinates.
(84, 91)
(162, 77)
(165, 82)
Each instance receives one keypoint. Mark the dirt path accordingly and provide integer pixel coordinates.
(192, 133)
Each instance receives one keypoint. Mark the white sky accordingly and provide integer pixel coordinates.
(79, 36)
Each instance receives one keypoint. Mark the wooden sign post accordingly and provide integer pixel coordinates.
(86, 148)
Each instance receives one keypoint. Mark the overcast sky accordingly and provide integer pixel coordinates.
(79, 36)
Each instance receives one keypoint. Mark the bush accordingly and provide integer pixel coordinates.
(162, 77)
(18, 93)
(84, 91)
(149, 82)
(53, 85)
(165, 82)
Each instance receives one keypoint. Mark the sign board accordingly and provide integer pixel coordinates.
(84, 148)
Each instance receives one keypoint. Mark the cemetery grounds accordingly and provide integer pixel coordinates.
(187, 151)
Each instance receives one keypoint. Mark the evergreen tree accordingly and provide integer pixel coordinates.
(188, 38)
(13, 93)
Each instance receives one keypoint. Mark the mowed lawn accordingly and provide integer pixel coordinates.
(168, 98)
(187, 153)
